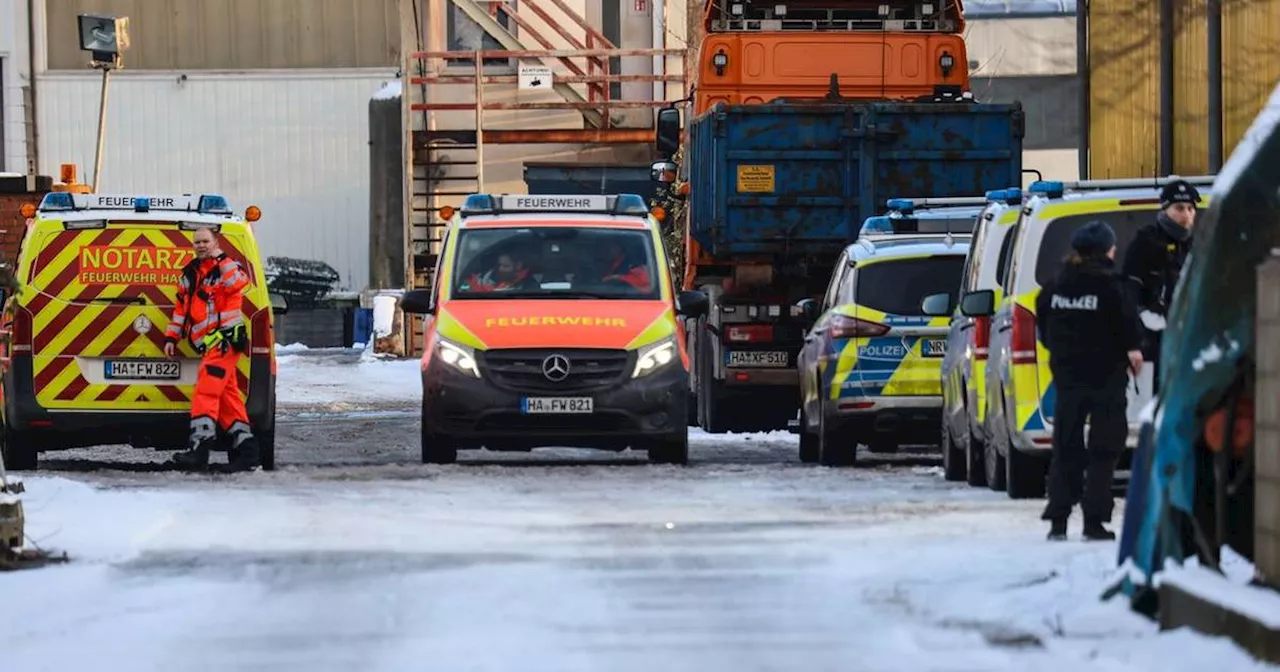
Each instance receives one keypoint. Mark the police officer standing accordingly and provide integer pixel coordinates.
(1091, 329)
(1155, 258)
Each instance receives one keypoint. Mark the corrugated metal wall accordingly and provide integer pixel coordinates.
(294, 144)
(236, 34)
(1124, 115)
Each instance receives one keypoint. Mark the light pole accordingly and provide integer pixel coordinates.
(105, 38)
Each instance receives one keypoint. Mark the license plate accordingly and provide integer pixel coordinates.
(934, 347)
(143, 369)
(556, 405)
(773, 359)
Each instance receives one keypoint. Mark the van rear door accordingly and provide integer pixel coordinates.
(103, 293)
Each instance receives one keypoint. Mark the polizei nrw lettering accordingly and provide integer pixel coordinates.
(1087, 302)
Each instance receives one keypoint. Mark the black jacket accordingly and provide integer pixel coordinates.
(1152, 265)
(1088, 323)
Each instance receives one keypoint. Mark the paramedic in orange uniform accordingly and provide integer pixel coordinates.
(208, 313)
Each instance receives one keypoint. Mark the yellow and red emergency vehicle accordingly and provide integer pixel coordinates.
(552, 322)
(97, 278)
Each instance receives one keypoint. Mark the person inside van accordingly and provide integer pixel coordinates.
(1155, 258)
(1090, 326)
(618, 266)
(508, 273)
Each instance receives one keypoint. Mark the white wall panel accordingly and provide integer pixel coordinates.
(1022, 46)
(14, 73)
(294, 144)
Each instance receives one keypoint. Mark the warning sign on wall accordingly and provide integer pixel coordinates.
(755, 179)
(534, 77)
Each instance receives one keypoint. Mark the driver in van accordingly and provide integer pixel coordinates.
(617, 266)
(508, 273)
(1090, 326)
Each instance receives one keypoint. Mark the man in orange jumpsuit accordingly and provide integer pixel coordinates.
(208, 313)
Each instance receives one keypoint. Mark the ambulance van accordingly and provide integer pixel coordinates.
(97, 277)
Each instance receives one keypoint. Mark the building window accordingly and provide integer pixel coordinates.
(467, 35)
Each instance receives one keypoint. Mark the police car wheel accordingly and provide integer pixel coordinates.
(953, 459)
(20, 452)
(835, 448)
(1025, 475)
(672, 450)
(993, 466)
(974, 456)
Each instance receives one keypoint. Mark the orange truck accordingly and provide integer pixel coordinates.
(805, 117)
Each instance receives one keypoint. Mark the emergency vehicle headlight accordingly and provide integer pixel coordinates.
(459, 357)
(655, 357)
(58, 200)
(84, 224)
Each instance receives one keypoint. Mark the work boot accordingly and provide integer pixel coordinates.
(244, 458)
(1094, 531)
(195, 459)
(1058, 530)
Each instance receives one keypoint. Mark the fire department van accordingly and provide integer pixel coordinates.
(552, 322)
(97, 277)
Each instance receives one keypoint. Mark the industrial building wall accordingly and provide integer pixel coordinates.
(235, 34)
(293, 143)
(1124, 65)
(14, 78)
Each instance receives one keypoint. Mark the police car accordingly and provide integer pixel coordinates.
(98, 277)
(552, 322)
(869, 368)
(1020, 390)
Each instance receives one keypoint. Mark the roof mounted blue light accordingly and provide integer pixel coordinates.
(996, 195)
(631, 204)
(57, 200)
(478, 203)
(876, 226)
(901, 204)
(1013, 196)
(141, 204)
(212, 204)
(1050, 188)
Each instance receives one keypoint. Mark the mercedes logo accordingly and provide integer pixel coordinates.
(555, 368)
(142, 325)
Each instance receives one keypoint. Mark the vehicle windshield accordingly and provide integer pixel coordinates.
(897, 287)
(555, 262)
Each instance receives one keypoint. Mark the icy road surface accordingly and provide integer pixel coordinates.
(353, 556)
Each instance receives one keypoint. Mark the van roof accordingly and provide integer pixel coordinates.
(555, 219)
(891, 247)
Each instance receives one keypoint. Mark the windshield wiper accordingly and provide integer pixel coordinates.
(120, 299)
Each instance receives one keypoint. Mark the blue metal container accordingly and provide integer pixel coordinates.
(800, 178)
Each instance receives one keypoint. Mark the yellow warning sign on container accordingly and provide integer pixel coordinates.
(755, 180)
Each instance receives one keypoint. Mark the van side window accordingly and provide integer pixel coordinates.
(1006, 255)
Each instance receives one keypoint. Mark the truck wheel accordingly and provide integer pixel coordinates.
(672, 450)
(20, 452)
(711, 404)
(1025, 474)
(953, 459)
(267, 450)
(835, 448)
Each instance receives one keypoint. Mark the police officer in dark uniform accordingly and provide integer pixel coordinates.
(1090, 326)
(1155, 258)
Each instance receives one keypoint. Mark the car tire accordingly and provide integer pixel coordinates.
(808, 440)
(975, 458)
(20, 453)
(672, 450)
(953, 459)
(437, 448)
(835, 448)
(1025, 474)
(267, 450)
(993, 466)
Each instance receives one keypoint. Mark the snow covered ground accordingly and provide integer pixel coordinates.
(352, 555)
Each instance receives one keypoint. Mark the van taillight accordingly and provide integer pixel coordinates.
(981, 337)
(20, 332)
(261, 340)
(1024, 336)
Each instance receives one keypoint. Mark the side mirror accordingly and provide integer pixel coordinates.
(692, 303)
(663, 171)
(279, 304)
(981, 303)
(936, 305)
(809, 310)
(417, 301)
(667, 131)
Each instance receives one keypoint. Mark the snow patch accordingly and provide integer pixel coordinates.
(292, 347)
(340, 382)
(1210, 355)
(384, 311)
(7, 499)
(388, 91)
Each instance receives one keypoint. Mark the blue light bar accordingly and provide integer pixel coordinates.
(478, 203)
(1013, 196)
(631, 204)
(57, 200)
(141, 204)
(621, 204)
(213, 204)
(997, 195)
(876, 226)
(901, 204)
(1050, 188)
